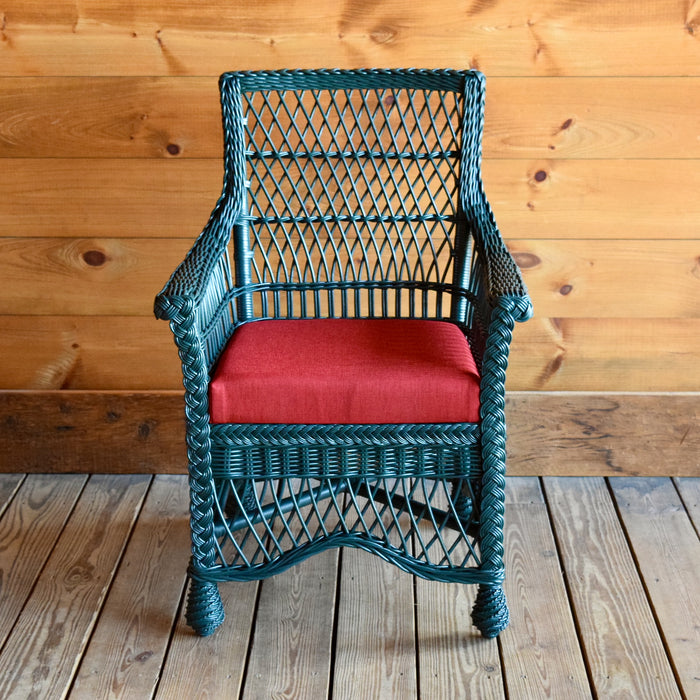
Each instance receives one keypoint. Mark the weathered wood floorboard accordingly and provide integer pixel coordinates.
(48, 640)
(540, 659)
(602, 590)
(9, 483)
(623, 649)
(455, 661)
(375, 645)
(126, 651)
(689, 490)
(28, 532)
(658, 528)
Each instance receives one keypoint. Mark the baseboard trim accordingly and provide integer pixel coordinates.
(549, 433)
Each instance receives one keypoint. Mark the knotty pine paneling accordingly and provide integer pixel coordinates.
(110, 162)
(567, 278)
(87, 352)
(107, 198)
(107, 276)
(606, 354)
(532, 198)
(179, 117)
(505, 37)
(113, 352)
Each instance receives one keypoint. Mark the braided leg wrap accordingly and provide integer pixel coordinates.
(204, 609)
(493, 436)
(205, 612)
(490, 612)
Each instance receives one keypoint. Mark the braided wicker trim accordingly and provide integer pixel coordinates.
(325, 79)
(443, 450)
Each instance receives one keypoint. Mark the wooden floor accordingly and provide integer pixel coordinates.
(603, 584)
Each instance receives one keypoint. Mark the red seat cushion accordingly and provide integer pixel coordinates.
(322, 371)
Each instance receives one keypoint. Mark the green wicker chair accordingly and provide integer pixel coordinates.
(343, 323)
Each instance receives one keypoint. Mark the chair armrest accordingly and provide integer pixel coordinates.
(500, 274)
(188, 285)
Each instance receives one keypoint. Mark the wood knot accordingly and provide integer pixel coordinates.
(79, 575)
(173, 149)
(565, 289)
(540, 175)
(526, 261)
(382, 34)
(94, 258)
(145, 428)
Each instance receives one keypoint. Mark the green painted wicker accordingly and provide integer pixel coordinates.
(348, 194)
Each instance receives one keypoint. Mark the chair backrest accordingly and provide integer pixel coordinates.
(353, 185)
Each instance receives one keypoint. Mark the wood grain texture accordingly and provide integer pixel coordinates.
(611, 278)
(567, 278)
(290, 655)
(689, 490)
(531, 198)
(537, 660)
(594, 198)
(179, 117)
(117, 432)
(110, 117)
(107, 197)
(552, 433)
(454, 660)
(126, 650)
(29, 529)
(603, 434)
(620, 639)
(9, 484)
(87, 352)
(137, 353)
(506, 37)
(43, 650)
(606, 354)
(81, 276)
(375, 647)
(212, 667)
(667, 551)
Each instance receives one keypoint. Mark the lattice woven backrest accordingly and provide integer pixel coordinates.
(349, 177)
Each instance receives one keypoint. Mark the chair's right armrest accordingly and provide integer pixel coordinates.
(188, 284)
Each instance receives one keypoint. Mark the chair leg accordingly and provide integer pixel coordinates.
(490, 612)
(205, 611)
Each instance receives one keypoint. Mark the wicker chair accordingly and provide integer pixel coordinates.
(343, 323)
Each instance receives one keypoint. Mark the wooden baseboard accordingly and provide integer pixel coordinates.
(549, 433)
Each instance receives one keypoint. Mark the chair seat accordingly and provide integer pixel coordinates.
(354, 371)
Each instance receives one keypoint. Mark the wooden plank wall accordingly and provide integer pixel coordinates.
(110, 164)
